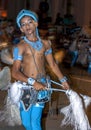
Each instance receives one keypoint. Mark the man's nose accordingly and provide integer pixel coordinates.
(27, 24)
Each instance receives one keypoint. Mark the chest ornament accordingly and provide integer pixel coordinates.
(36, 45)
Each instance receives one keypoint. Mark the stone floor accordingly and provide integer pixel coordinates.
(79, 81)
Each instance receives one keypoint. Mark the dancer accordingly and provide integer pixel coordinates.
(30, 57)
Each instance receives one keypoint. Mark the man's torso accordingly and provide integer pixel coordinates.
(33, 61)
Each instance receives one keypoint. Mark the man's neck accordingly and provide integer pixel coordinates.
(32, 39)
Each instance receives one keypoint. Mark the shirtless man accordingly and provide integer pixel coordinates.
(30, 56)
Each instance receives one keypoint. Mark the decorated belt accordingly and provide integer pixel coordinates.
(31, 96)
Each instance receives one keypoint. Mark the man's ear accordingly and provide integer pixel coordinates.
(36, 24)
(21, 30)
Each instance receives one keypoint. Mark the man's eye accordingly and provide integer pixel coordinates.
(30, 21)
(23, 24)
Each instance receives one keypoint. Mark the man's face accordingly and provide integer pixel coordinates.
(28, 25)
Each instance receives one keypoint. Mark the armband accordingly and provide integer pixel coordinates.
(16, 54)
(48, 51)
(31, 81)
(64, 79)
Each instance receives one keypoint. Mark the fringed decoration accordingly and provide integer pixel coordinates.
(10, 114)
(74, 113)
(5, 78)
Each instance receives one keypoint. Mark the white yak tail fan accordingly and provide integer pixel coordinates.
(10, 114)
(86, 100)
(74, 113)
(5, 78)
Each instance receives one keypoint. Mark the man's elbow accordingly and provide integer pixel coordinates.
(53, 66)
(13, 74)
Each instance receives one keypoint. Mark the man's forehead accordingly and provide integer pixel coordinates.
(26, 18)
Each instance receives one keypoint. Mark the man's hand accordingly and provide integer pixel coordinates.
(65, 85)
(35, 84)
(39, 86)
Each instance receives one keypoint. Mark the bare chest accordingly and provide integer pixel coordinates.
(31, 54)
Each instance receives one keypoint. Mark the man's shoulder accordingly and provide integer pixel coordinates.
(21, 44)
(46, 42)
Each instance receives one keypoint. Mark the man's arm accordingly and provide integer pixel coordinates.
(55, 68)
(18, 75)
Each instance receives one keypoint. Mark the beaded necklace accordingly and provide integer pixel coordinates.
(36, 45)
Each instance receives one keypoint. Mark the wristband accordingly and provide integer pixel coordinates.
(64, 79)
(31, 81)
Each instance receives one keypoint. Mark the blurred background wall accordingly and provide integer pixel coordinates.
(80, 9)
